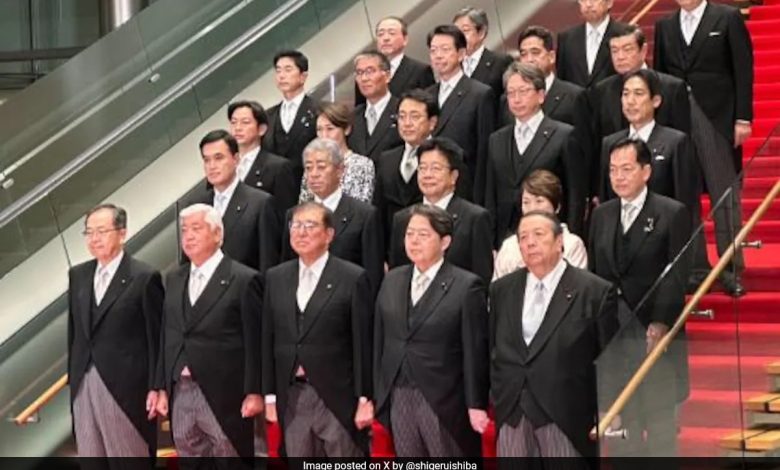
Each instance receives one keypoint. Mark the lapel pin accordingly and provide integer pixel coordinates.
(454, 216)
(223, 282)
(238, 208)
(557, 98)
(650, 225)
(344, 220)
(546, 134)
(259, 184)
(329, 286)
(123, 281)
(488, 64)
(568, 296)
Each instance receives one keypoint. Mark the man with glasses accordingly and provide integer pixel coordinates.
(635, 240)
(438, 171)
(317, 331)
(583, 51)
(374, 128)
(533, 141)
(115, 305)
(357, 231)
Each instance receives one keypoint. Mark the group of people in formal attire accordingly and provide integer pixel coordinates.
(462, 244)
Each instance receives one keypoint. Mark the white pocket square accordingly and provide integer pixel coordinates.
(715, 33)
(660, 158)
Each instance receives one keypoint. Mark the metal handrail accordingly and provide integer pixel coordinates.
(26, 416)
(650, 360)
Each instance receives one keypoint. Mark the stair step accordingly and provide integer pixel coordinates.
(765, 42)
(713, 408)
(746, 339)
(766, 230)
(766, 90)
(758, 187)
(694, 441)
(765, 146)
(762, 58)
(767, 26)
(728, 372)
(767, 73)
(754, 440)
(748, 207)
(766, 402)
(763, 127)
(764, 12)
(768, 108)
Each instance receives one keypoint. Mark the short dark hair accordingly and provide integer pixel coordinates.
(557, 228)
(258, 112)
(631, 30)
(649, 76)
(119, 215)
(529, 73)
(643, 156)
(404, 26)
(537, 32)
(384, 62)
(476, 15)
(546, 184)
(422, 96)
(327, 214)
(300, 60)
(447, 147)
(440, 220)
(448, 30)
(216, 136)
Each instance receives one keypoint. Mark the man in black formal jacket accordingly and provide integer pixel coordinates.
(628, 50)
(534, 141)
(635, 240)
(357, 234)
(210, 363)
(405, 73)
(472, 239)
(583, 51)
(549, 322)
(292, 123)
(396, 170)
(468, 107)
(317, 334)
(480, 63)
(374, 128)
(250, 216)
(430, 347)
(673, 160)
(258, 167)
(114, 310)
(707, 45)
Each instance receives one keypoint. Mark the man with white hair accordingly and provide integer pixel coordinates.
(210, 361)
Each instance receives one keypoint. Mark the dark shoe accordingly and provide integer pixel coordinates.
(732, 286)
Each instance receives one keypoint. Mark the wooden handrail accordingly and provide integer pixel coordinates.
(655, 354)
(649, 6)
(635, 4)
(24, 417)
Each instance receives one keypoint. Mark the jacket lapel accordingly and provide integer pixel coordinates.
(452, 103)
(485, 64)
(516, 320)
(291, 301)
(273, 118)
(430, 300)
(609, 241)
(542, 136)
(562, 300)
(304, 118)
(553, 99)
(602, 56)
(85, 296)
(401, 75)
(643, 226)
(656, 144)
(320, 297)
(580, 51)
(217, 285)
(258, 167)
(342, 216)
(706, 25)
(455, 207)
(387, 122)
(119, 282)
(235, 208)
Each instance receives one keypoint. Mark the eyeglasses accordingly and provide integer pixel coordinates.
(304, 226)
(369, 72)
(101, 232)
(520, 91)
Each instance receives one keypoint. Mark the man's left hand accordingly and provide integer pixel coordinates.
(479, 420)
(742, 131)
(655, 331)
(252, 405)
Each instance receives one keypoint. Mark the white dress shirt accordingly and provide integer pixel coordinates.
(441, 203)
(470, 62)
(409, 162)
(104, 275)
(305, 292)
(532, 124)
(689, 29)
(548, 82)
(446, 87)
(378, 108)
(332, 201)
(198, 280)
(531, 322)
(430, 275)
(642, 134)
(592, 46)
(395, 62)
(247, 160)
(637, 203)
(225, 196)
(289, 110)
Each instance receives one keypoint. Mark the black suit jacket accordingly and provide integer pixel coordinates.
(571, 57)
(252, 228)
(554, 148)
(221, 340)
(384, 137)
(718, 65)
(468, 118)
(333, 343)
(275, 175)
(358, 238)
(411, 74)
(445, 348)
(557, 368)
(122, 340)
(674, 173)
(490, 70)
(472, 239)
(665, 226)
(291, 145)
(392, 193)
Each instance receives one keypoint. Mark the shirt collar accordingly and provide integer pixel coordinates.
(430, 273)
(395, 62)
(247, 160)
(533, 122)
(551, 279)
(638, 202)
(112, 265)
(548, 82)
(228, 192)
(296, 101)
(696, 12)
(332, 201)
(209, 266)
(317, 267)
(379, 106)
(442, 203)
(477, 55)
(601, 28)
(453, 80)
(644, 132)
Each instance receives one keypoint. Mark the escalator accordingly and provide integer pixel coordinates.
(121, 122)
